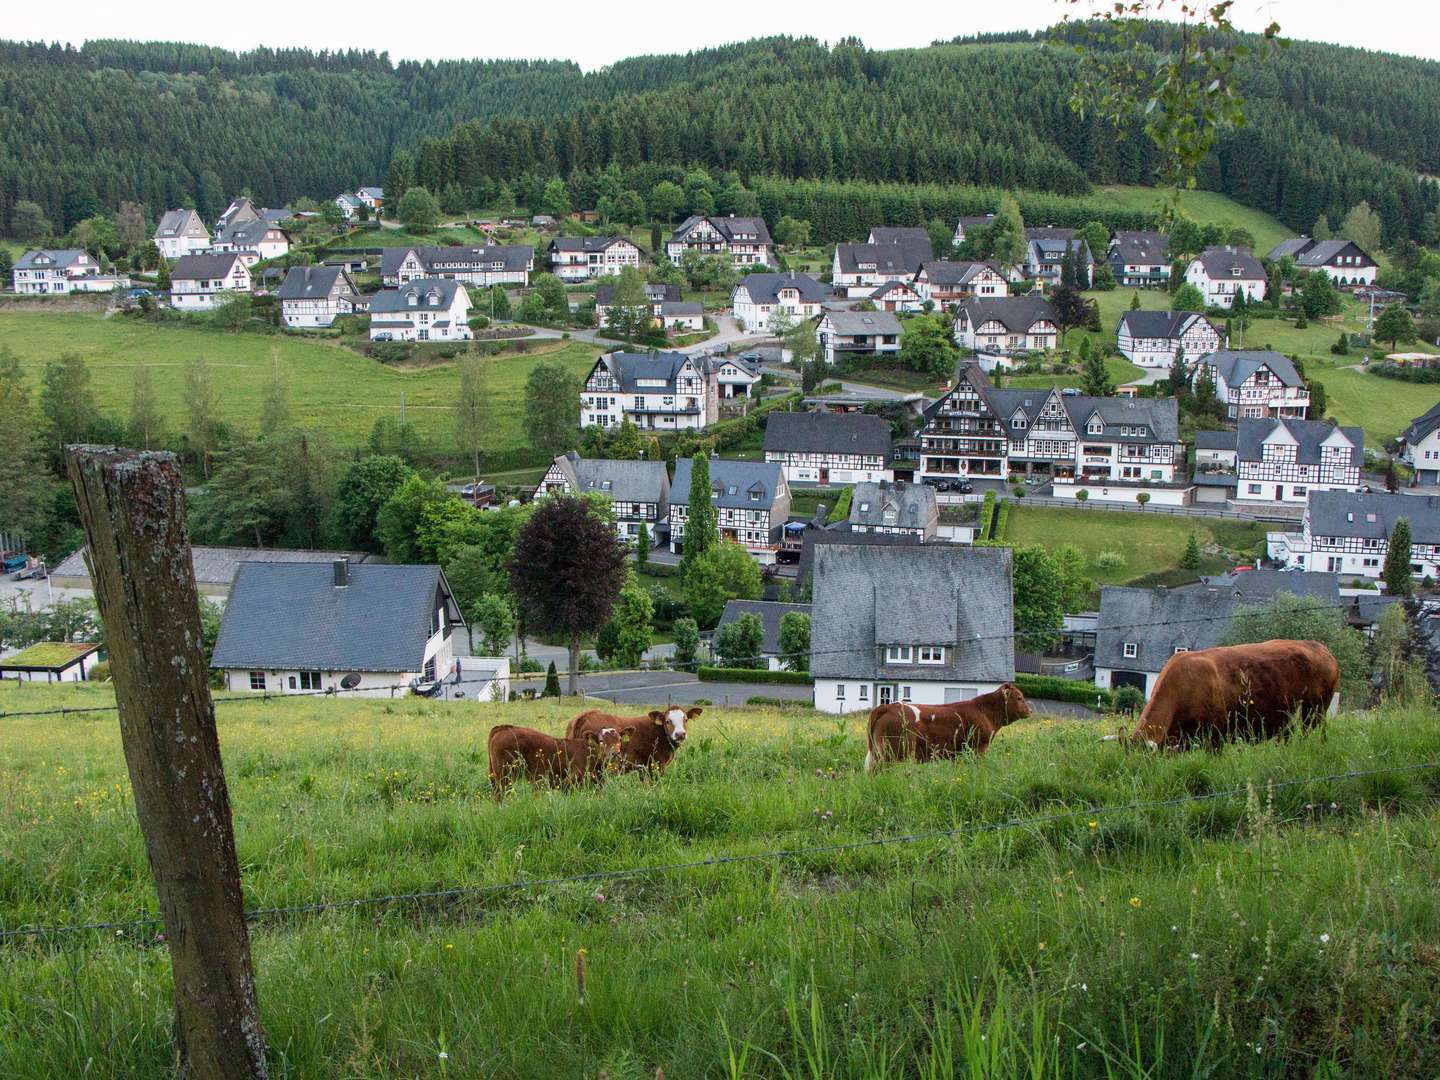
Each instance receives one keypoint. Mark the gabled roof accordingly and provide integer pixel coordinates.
(371, 192)
(245, 233)
(60, 257)
(1161, 324)
(893, 260)
(1215, 440)
(657, 292)
(729, 227)
(1372, 515)
(630, 369)
(1423, 425)
(1053, 243)
(1140, 247)
(1016, 313)
(397, 300)
(313, 282)
(623, 481)
(674, 309)
(1221, 262)
(275, 215)
(219, 565)
(1157, 621)
(294, 616)
(768, 612)
(203, 267)
(765, 288)
(733, 482)
(1306, 252)
(1237, 365)
(816, 537)
(945, 272)
(1262, 586)
(588, 243)
(862, 322)
(914, 505)
(1292, 246)
(513, 256)
(180, 223)
(1159, 418)
(891, 286)
(901, 234)
(1309, 437)
(827, 433)
(869, 596)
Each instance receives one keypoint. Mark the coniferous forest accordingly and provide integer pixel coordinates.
(167, 124)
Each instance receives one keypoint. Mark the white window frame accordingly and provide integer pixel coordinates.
(864, 691)
(899, 654)
(1131, 650)
(840, 691)
(257, 680)
(930, 654)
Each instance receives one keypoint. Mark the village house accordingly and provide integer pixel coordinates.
(859, 269)
(373, 630)
(349, 205)
(1256, 383)
(315, 295)
(1140, 258)
(758, 296)
(1007, 325)
(1139, 630)
(1420, 446)
(744, 240)
(968, 222)
(1344, 261)
(639, 491)
(1220, 273)
(199, 282)
(51, 662)
(827, 448)
(734, 376)
(682, 315)
(655, 391)
(582, 258)
(1347, 532)
(1045, 253)
(929, 624)
(180, 232)
(752, 501)
(427, 309)
(858, 335)
(373, 197)
(1282, 461)
(945, 282)
(895, 507)
(770, 613)
(67, 270)
(495, 264)
(897, 296)
(658, 295)
(253, 239)
(1152, 338)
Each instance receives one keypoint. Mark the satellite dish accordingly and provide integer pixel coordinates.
(351, 681)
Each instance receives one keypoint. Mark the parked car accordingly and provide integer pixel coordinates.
(14, 561)
(136, 293)
(1070, 391)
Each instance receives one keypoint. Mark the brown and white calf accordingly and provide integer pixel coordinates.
(518, 751)
(646, 742)
(922, 732)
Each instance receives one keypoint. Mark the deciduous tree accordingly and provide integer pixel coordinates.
(724, 572)
(146, 428)
(795, 640)
(202, 406)
(472, 409)
(552, 407)
(738, 643)
(1396, 572)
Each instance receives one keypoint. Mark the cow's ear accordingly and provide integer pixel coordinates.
(690, 714)
(657, 716)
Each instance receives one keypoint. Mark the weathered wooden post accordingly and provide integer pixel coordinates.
(132, 507)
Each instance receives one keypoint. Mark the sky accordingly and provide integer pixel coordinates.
(595, 35)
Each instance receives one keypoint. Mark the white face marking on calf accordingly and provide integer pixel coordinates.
(676, 719)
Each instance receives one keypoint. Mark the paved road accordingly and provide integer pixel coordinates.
(727, 333)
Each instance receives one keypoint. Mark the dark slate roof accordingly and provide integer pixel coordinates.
(245, 233)
(1139, 247)
(313, 282)
(676, 308)
(768, 612)
(586, 243)
(629, 369)
(397, 300)
(1214, 440)
(513, 256)
(1235, 366)
(1015, 313)
(292, 615)
(219, 565)
(1220, 261)
(732, 481)
(56, 257)
(904, 286)
(901, 234)
(1159, 324)
(180, 223)
(728, 227)
(765, 288)
(839, 533)
(1292, 247)
(202, 267)
(1308, 434)
(623, 481)
(1055, 242)
(915, 505)
(372, 192)
(945, 272)
(1315, 253)
(863, 322)
(1423, 425)
(867, 597)
(276, 215)
(658, 293)
(827, 433)
(1261, 586)
(1372, 515)
(901, 257)
(1159, 416)
(1158, 621)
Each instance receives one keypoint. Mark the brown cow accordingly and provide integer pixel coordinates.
(902, 730)
(646, 742)
(519, 751)
(1239, 690)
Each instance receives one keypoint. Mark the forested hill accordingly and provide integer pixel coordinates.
(168, 124)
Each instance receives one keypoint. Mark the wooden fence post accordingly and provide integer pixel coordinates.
(132, 505)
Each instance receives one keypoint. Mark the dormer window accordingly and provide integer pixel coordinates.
(412, 300)
(864, 508)
(1179, 649)
(731, 490)
(1131, 649)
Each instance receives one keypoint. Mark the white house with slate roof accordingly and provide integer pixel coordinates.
(1256, 383)
(199, 282)
(758, 296)
(42, 273)
(1006, 325)
(846, 334)
(494, 264)
(895, 507)
(947, 282)
(581, 258)
(829, 447)
(1347, 532)
(253, 239)
(1151, 338)
(180, 232)
(861, 268)
(752, 501)
(1045, 253)
(657, 293)
(655, 391)
(1420, 446)
(639, 490)
(1344, 261)
(1139, 630)
(1282, 461)
(734, 376)
(770, 614)
(897, 296)
(930, 624)
(1140, 258)
(428, 309)
(315, 295)
(373, 629)
(744, 240)
(1222, 272)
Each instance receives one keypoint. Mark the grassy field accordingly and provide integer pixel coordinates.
(332, 388)
(1121, 371)
(1287, 931)
(1204, 207)
(1150, 543)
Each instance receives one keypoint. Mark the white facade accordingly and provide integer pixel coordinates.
(204, 293)
(684, 399)
(983, 281)
(753, 314)
(427, 315)
(587, 263)
(481, 267)
(1118, 491)
(1423, 456)
(1277, 477)
(993, 336)
(847, 696)
(744, 240)
(1198, 339)
(842, 334)
(181, 232)
(1220, 289)
(42, 273)
(825, 468)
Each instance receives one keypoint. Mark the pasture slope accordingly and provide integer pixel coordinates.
(1288, 930)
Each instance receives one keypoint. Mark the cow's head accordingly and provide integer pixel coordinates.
(1013, 703)
(672, 720)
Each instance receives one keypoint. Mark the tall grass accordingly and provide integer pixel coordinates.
(1289, 931)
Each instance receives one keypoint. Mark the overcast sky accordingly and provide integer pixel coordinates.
(596, 34)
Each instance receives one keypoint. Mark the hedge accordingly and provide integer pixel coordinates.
(1406, 374)
(757, 675)
(1054, 688)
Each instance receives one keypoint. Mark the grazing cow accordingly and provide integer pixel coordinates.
(1239, 690)
(518, 751)
(646, 742)
(902, 730)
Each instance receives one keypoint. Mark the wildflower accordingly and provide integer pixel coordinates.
(1042, 946)
(1194, 956)
(1324, 939)
(444, 1056)
(448, 945)
(1134, 901)
(1084, 988)
(1094, 824)
(599, 897)
(1080, 1046)
(1174, 929)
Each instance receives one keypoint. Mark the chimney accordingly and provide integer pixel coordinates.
(342, 572)
(822, 514)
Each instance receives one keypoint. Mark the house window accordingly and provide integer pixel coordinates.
(1132, 650)
(310, 680)
(904, 693)
(931, 654)
(257, 680)
(1254, 489)
(1180, 649)
(898, 654)
(292, 682)
(840, 691)
(864, 691)
(429, 672)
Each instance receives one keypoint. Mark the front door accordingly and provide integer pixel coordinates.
(884, 694)
(1279, 492)
(824, 476)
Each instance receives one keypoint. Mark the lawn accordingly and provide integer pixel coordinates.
(1056, 929)
(332, 388)
(1121, 371)
(1150, 543)
(1204, 207)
